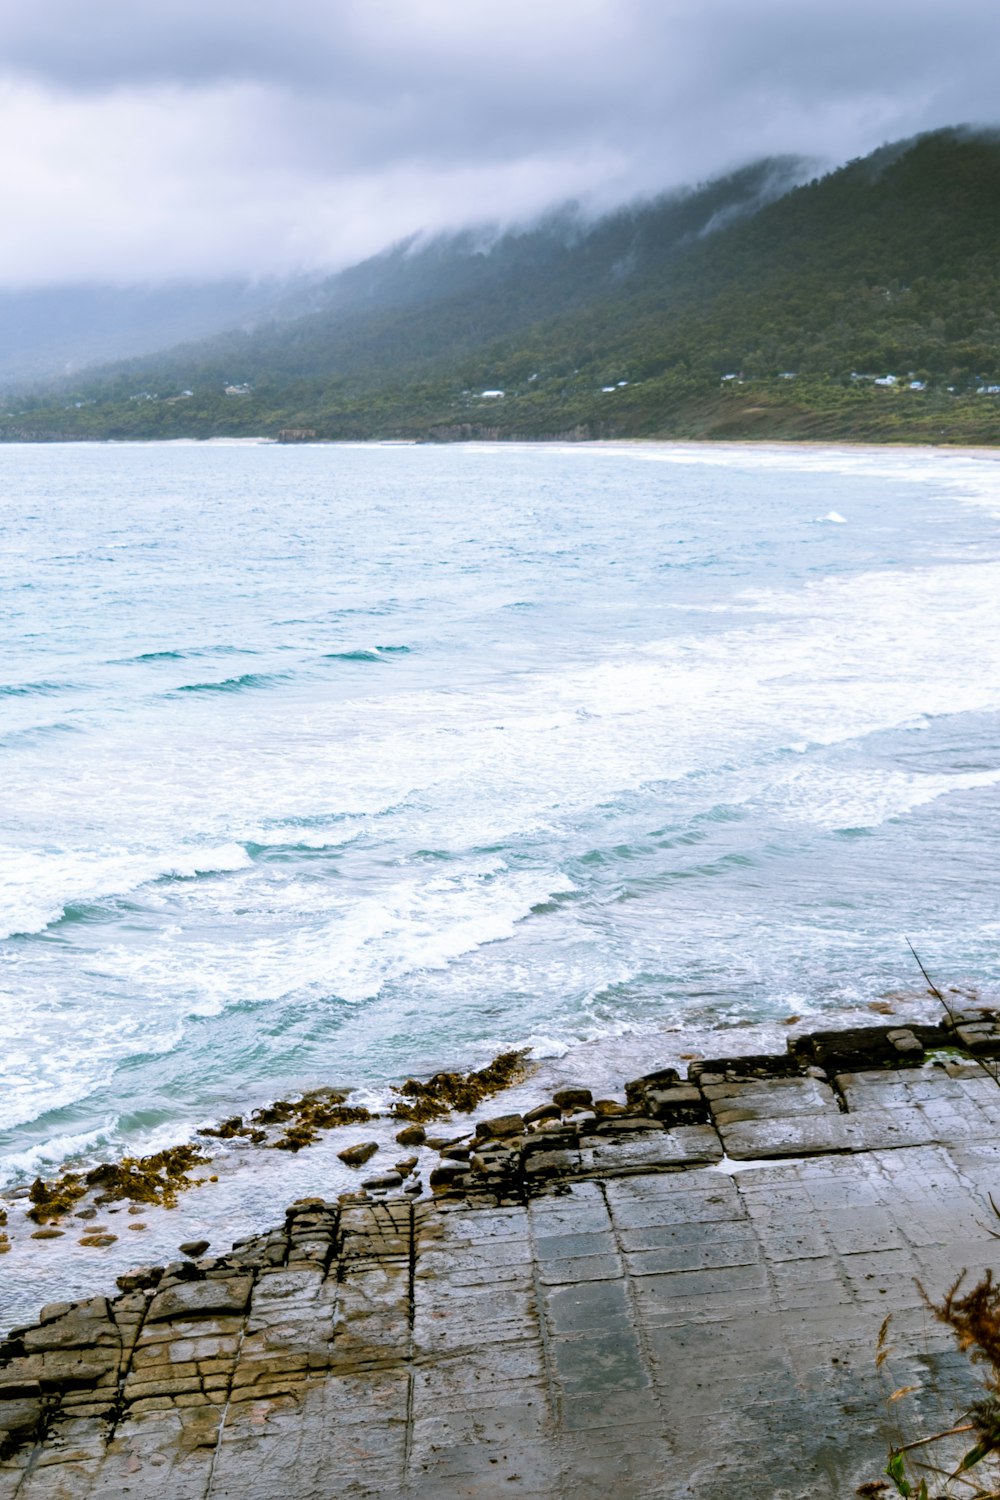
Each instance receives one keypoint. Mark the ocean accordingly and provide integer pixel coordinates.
(334, 764)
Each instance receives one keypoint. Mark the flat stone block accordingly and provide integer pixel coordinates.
(201, 1299)
(600, 1365)
(592, 1306)
(580, 1268)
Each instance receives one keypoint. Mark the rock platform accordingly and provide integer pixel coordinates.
(673, 1295)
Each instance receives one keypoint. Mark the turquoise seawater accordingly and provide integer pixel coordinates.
(331, 764)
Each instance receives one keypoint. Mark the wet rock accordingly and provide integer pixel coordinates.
(663, 1078)
(904, 1041)
(542, 1112)
(194, 1248)
(356, 1156)
(387, 1180)
(448, 1175)
(499, 1126)
(48, 1234)
(141, 1279)
(411, 1135)
(53, 1310)
(86, 1213)
(605, 1108)
(97, 1241)
(406, 1165)
(20, 1420)
(201, 1299)
(573, 1098)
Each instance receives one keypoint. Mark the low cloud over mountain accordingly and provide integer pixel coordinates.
(235, 139)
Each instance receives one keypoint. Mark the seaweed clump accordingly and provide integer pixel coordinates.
(459, 1091)
(232, 1128)
(303, 1118)
(50, 1200)
(143, 1179)
(148, 1179)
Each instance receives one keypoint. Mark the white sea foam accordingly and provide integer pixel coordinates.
(53, 1152)
(37, 885)
(652, 731)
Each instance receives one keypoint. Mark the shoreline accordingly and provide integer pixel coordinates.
(236, 1188)
(723, 1243)
(624, 444)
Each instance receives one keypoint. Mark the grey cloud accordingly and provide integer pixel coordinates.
(247, 136)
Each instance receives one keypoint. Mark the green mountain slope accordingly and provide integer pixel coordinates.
(889, 266)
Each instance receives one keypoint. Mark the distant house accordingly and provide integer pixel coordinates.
(789, 375)
(238, 390)
(490, 395)
(609, 388)
(887, 380)
(296, 434)
(918, 385)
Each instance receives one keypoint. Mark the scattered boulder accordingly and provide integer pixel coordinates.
(406, 1165)
(904, 1041)
(573, 1098)
(542, 1112)
(448, 1174)
(499, 1126)
(194, 1248)
(387, 1180)
(356, 1156)
(411, 1135)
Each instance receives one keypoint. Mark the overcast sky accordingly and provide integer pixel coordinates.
(207, 138)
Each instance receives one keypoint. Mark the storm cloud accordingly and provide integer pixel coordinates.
(248, 137)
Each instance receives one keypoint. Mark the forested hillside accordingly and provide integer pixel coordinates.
(747, 307)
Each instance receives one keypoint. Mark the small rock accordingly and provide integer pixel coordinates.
(499, 1126)
(573, 1098)
(414, 1187)
(190, 1247)
(405, 1167)
(356, 1156)
(97, 1241)
(140, 1279)
(447, 1176)
(54, 1310)
(86, 1213)
(814, 1072)
(604, 1108)
(412, 1135)
(387, 1180)
(48, 1234)
(542, 1112)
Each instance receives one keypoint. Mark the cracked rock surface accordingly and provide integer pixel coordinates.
(594, 1303)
